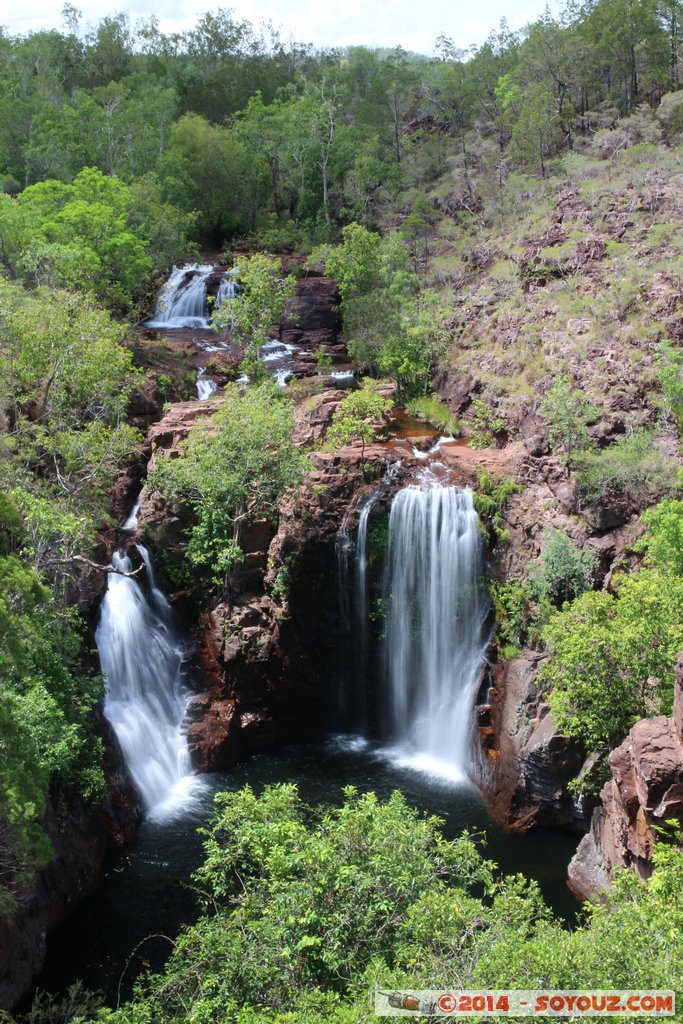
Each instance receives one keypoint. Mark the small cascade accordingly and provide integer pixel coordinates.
(436, 625)
(205, 386)
(130, 525)
(145, 699)
(362, 568)
(157, 597)
(182, 301)
(227, 289)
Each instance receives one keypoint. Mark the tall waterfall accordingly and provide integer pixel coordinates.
(145, 700)
(183, 302)
(436, 625)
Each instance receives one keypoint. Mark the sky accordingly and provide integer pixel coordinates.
(412, 25)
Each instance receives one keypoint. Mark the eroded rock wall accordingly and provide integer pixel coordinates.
(646, 790)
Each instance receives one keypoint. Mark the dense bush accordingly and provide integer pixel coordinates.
(232, 468)
(307, 912)
(611, 657)
(565, 569)
(633, 469)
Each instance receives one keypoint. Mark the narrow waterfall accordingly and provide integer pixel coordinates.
(205, 386)
(436, 626)
(182, 301)
(145, 699)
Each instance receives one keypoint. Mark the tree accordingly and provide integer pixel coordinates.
(306, 911)
(356, 417)
(611, 658)
(86, 225)
(216, 176)
(566, 570)
(46, 723)
(568, 414)
(232, 468)
(663, 540)
(537, 133)
(265, 298)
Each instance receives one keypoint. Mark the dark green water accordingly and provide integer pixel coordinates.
(145, 890)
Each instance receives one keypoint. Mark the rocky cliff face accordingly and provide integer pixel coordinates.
(646, 789)
(80, 837)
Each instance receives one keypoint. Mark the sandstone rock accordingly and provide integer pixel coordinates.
(178, 421)
(534, 761)
(213, 735)
(535, 435)
(646, 788)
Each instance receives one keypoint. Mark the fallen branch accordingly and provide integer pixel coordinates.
(94, 565)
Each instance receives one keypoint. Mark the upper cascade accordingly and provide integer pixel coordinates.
(182, 300)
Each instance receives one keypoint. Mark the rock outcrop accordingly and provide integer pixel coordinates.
(80, 837)
(646, 789)
(532, 762)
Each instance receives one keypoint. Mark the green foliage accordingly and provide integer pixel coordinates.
(484, 423)
(670, 370)
(306, 912)
(214, 174)
(386, 330)
(265, 298)
(612, 657)
(490, 500)
(323, 360)
(565, 571)
(356, 418)
(664, 538)
(80, 235)
(512, 607)
(634, 469)
(356, 264)
(568, 414)
(232, 468)
(45, 719)
(436, 412)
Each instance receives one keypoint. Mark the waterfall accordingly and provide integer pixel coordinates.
(182, 301)
(227, 289)
(436, 625)
(145, 699)
(205, 386)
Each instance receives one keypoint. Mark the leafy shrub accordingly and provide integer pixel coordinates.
(612, 657)
(634, 468)
(568, 414)
(565, 571)
(432, 409)
(356, 417)
(46, 704)
(512, 606)
(670, 371)
(664, 538)
(232, 468)
(491, 498)
(484, 424)
(307, 912)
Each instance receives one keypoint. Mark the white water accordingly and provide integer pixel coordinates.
(205, 386)
(131, 523)
(436, 627)
(145, 699)
(182, 300)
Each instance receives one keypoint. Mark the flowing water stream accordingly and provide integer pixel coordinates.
(145, 699)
